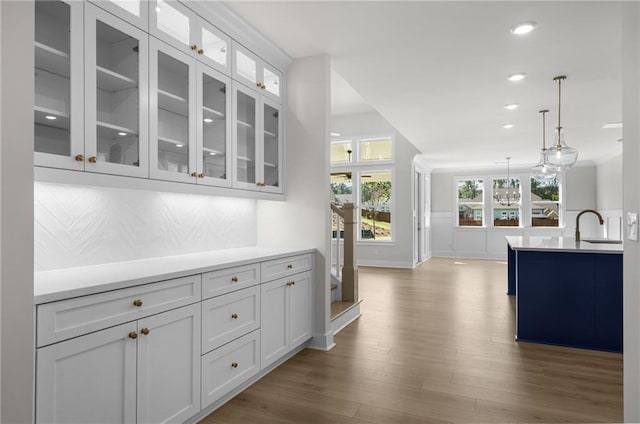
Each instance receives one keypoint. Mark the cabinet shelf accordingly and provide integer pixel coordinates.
(270, 165)
(213, 152)
(212, 113)
(270, 134)
(108, 130)
(173, 103)
(244, 124)
(171, 141)
(52, 60)
(112, 81)
(61, 121)
(244, 158)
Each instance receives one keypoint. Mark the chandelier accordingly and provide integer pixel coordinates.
(543, 170)
(509, 195)
(560, 156)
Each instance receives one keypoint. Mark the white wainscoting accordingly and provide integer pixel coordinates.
(450, 241)
(82, 225)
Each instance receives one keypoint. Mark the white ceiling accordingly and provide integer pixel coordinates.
(437, 70)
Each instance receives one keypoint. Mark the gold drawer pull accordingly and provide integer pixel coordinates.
(92, 159)
(234, 316)
(133, 335)
(137, 303)
(79, 158)
(145, 331)
(234, 279)
(234, 365)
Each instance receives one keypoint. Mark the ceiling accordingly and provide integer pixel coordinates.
(437, 70)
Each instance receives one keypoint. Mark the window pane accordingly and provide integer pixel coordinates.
(545, 202)
(506, 202)
(375, 206)
(341, 152)
(470, 203)
(341, 189)
(375, 149)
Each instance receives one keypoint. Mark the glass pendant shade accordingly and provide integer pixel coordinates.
(542, 170)
(560, 155)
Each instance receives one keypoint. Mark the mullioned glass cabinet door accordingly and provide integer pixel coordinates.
(116, 66)
(245, 136)
(271, 152)
(135, 12)
(58, 102)
(173, 114)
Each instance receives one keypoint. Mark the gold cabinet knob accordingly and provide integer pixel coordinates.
(289, 283)
(194, 174)
(259, 84)
(201, 175)
(133, 335)
(194, 47)
(289, 266)
(293, 283)
(145, 331)
(234, 279)
(234, 365)
(234, 316)
(137, 303)
(79, 158)
(93, 159)
(264, 87)
(200, 51)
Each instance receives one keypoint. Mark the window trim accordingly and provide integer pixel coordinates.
(379, 169)
(355, 154)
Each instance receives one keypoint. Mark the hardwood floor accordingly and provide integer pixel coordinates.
(434, 344)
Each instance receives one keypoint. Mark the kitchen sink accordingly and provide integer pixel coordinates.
(603, 241)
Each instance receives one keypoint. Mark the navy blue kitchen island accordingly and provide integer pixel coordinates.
(567, 293)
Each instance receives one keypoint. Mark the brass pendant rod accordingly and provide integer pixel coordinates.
(544, 126)
(559, 128)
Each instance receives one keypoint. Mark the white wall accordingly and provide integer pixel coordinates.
(400, 252)
(631, 174)
(16, 212)
(304, 218)
(452, 241)
(83, 225)
(609, 194)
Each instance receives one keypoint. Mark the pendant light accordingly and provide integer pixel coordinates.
(509, 198)
(542, 170)
(560, 156)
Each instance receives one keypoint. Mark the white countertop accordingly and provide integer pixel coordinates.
(561, 244)
(50, 286)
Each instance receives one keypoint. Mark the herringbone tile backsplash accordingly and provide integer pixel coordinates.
(79, 226)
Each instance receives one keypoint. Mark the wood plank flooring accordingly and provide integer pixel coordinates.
(434, 345)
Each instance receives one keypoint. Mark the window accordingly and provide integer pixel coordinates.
(341, 152)
(545, 202)
(375, 205)
(342, 192)
(375, 149)
(506, 202)
(369, 159)
(470, 202)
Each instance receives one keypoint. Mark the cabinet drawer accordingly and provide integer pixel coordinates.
(279, 268)
(58, 321)
(227, 317)
(227, 280)
(229, 366)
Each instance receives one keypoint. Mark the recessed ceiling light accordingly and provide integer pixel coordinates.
(121, 133)
(50, 117)
(523, 28)
(612, 125)
(512, 106)
(179, 145)
(508, 126)
(208, 120)
(517, 77)
(335, 134)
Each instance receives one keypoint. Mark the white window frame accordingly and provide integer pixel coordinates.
(456, 203)
(371, 170)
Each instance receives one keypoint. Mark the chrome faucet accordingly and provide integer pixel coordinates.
(578, 221)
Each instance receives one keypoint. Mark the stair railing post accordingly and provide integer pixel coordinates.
(349, 268)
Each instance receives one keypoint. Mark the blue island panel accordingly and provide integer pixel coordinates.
(569, 299)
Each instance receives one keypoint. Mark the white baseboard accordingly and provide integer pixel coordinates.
(468, 255)
(345, 318)
(385, 264)
(322, 342)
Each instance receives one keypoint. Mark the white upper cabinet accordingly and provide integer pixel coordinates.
(172, 83)
(177, 25)
(58, 102)
(270, 146)
(213, 100)
(256, 73)
(116, 93)
(135, 12)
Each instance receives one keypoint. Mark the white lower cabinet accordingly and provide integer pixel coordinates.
(227, 367)
(143, 371)
(286, 315)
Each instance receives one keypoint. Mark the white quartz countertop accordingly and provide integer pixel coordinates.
(50, 286)
(561, 244)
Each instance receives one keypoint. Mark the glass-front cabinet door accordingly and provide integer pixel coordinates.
(213, 46)
(213, 124)
(58, 102)
(116, 114)
(173, 113)
(245, 135)
(256, 73)
(173, 23)
(135, 12)
(271, 151)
